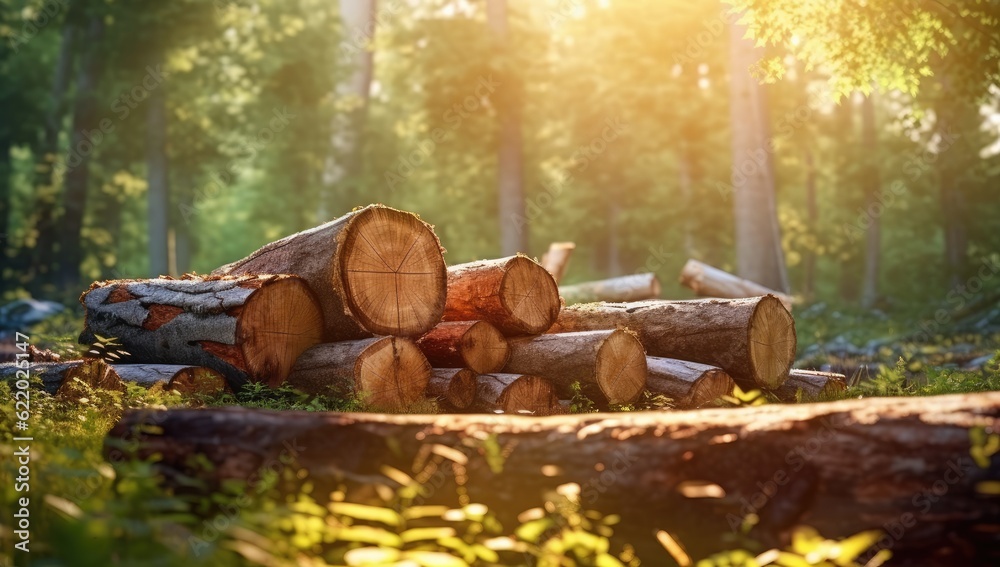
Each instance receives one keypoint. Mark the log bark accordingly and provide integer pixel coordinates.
(557, 258)
(455, 388)
(691, 385)
(625, 288)
(834, 466)
(383, 373)
(187, 380)
(813, 384)
(514, 294)
(58, 377)
(248, 328)
(752, 339)
(610, 363)
(52, 376)
(516, 394)
(476, 345)
(707, 281)
(375, 271)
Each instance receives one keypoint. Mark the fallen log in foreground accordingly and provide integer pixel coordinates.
(902, 465)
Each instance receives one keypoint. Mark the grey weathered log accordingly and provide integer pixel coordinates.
(813, 385)
(708, 281)
(635, 287)
(51, 374)
(840, 467)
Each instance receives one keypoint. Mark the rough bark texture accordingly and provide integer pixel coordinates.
(556, 259)
(514, 294)
(51, 374)
(814, 385)
(465, 344)
(516, 394)
(248, 328)
(375, 271)
(691, 385)
(610, 362)
(173, 377)
(454, 387)
(384, 373)
(835, 466)
(752, 339)
(713, 282)
(625, 288)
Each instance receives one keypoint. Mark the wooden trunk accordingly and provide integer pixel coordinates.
(247, 328)
(514, 294)
(383, 373)
(375, 270)
(691, 385)
(837, 467)
(611, 363)
(454, 388)
(517, 394)
(465, 344)
(186, 380)
(58, 378)
(557, 258)
(626, 288)
(707, 281)
(813, 384)
(752, 339)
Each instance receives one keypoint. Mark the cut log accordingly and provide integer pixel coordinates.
(626, 288)
(383, 373)
(610, 362)
(815, 385)
(514, 294)
(375, 271)
(465, 344)
(186, 380)
(707, 281)
(752, 339)
(557, 258)
(840, 467)
(691, 385)
(456, 387)
(517, 394)
(249, 328)
(52, 376)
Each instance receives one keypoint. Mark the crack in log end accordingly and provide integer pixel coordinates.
(159, 315)
(120, 294)
(230, 354)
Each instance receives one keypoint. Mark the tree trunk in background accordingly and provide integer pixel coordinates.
(759, 256)
(85, 119)
(510, 186)
(5, 198)
(614, 237)
(687, 199)
(344, 164)
(159, 182)
(955, 163)
(870, 183)
(44, 253)
(812, 214)
(846, 182)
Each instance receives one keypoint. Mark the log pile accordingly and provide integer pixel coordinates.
(364, 307)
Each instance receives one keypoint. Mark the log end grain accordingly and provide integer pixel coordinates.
(394, 275)
(484, 349)
(529, 295)
(621, 367)
(771, 336)
(391, 374)
(277, 324)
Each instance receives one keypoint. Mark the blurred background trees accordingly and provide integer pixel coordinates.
(141, 138)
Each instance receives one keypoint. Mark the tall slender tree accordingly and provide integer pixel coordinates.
(158, 173)
(510, 161)
(871, 185)
(759, 256)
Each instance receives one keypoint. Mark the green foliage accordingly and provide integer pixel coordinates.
(808, 548)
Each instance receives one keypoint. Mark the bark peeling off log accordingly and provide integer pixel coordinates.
(841, 467)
